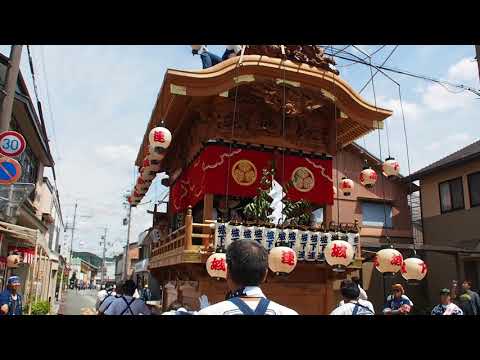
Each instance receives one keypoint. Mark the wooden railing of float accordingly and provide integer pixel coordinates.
(182, 238)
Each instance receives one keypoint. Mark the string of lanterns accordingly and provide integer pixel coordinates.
(159, 140)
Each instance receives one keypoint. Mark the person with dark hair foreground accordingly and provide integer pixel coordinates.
(177, 308)
(446, 306)
(352, 304)
(127, 304)
(475, 299)
(110, 298)
(247, 268)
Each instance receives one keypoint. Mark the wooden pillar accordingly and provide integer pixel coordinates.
(188, 229)
(35, 261)
(208, 207)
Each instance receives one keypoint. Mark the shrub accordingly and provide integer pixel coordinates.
(41, 308)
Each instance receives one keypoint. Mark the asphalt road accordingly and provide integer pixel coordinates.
(80, 302)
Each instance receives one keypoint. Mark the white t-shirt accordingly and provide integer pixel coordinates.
(228, 308)
(137, 307)
(362, 296)
(347, 309)
(105, 304)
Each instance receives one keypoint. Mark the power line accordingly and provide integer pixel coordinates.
(405, 72)
(371, 78)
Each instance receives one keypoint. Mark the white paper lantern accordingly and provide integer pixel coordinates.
(414, 270)
(282, 260)
(217, 265)
(13, 260)
(160, 137)
(346, 186)
(155, 153)
(339, 254)
(391, 167)
(388, 261)
(368, 177)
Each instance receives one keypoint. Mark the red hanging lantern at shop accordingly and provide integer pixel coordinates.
(413, 270)
(388, 261)
(339, 254)
(368, 177)
(346, 186)
(282, 260)
(391, 167)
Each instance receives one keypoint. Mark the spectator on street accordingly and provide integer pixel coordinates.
(127, 304)
(475, 298)
(362, 295)
(465, 303)
(247, 268)
(111, 296)
(146, 293)
(10, 300)
(398, 303)
(352, 304)
(177, 308)
(446, 306)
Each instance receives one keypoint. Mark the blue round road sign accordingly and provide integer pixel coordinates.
(10, 171)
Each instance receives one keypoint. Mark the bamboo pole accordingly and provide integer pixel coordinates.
(35, 261)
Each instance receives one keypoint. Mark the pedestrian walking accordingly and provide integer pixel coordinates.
(11, 302)
(351, 303)
(465, 303)
(397, 303)
(474, 297)
(247, 268)
(127, 304)
(446, 306)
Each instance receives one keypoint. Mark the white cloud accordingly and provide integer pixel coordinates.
(125, 153)
(464, 70)
(412, 111)
(449, 144)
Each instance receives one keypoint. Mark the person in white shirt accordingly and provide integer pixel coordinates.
(110, 298)
(247, 268)
(210, 59)
(127, 304)
(363, 295)
(103, 294)
(352, 305)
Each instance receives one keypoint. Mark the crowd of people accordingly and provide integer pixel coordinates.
(247, 263)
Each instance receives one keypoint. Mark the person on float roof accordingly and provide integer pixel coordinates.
(210, 59)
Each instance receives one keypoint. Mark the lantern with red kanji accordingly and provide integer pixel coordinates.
(368, 177)
(339, 254)
(282, 260)
(13, 260)
(160, 137)
(391, 167)
(413, 270)
(217, 265)
(346, 186)
(388, 261)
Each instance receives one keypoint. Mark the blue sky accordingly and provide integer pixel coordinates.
(101, 98)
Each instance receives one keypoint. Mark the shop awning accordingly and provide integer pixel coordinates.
(141, 266)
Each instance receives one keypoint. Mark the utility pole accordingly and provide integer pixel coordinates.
(10, 86)
(477, 50)
(102, 275)
(73, 231)
(125, 267)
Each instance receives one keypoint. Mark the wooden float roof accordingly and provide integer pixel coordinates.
(180, 87)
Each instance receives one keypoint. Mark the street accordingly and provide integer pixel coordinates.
(80, 302)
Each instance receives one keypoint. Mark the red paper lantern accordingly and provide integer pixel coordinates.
(217, 265)
(413, 270)
(282, 260)
(339, 254)
(368, 177)
(388, 261)
(346, 186)
(391, 167)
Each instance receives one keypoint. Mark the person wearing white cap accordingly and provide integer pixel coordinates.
(210, 59)
(10, 299)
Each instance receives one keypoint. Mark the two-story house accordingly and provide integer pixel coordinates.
(450, 204)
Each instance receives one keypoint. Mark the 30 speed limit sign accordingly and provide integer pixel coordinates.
(12, 143)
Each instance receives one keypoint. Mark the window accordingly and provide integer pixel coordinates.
(374, 214)
(451, 195)
(474, 189)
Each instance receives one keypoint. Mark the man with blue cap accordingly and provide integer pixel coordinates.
(10, 299)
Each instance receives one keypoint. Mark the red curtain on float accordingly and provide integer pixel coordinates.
(312, 178)
(209, 172)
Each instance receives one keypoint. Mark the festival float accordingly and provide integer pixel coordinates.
(248, 146)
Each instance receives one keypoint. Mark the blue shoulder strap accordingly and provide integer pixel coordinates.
(261, 308)
(355, 309)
